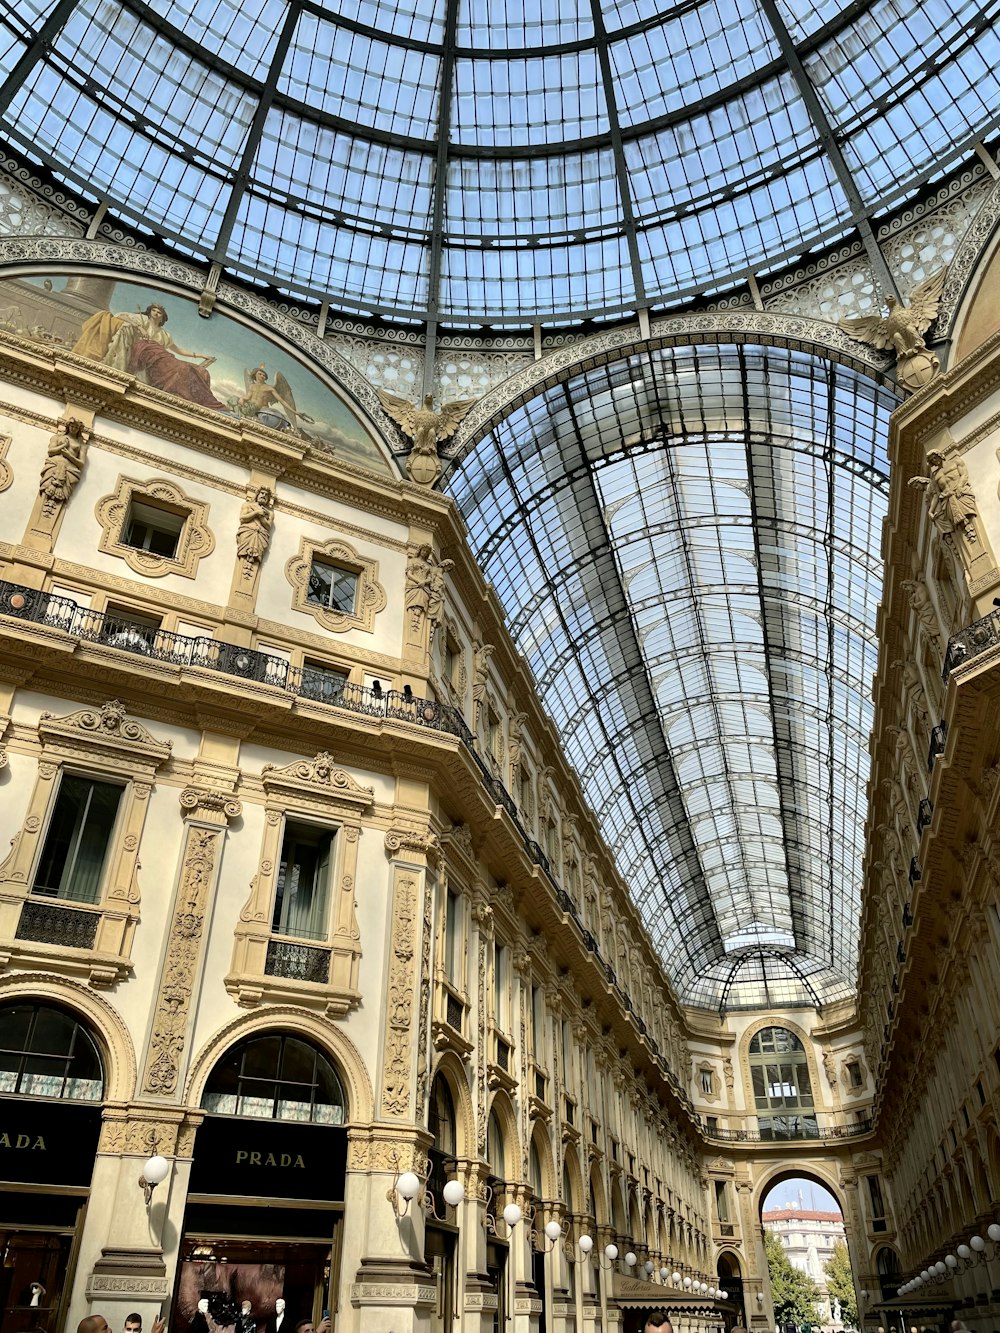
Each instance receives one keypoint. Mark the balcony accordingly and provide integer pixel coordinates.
(297, 962)
(803, 1131)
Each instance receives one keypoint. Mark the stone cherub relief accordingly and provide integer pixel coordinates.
(63, 464)
(902, 330)
(427, 429)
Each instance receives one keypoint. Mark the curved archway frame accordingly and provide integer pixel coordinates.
(754, 328)
(331, 1040)
(501, 1105)
(104, 1022)
(776, 1021)
(453, 1071)
(822, 1175)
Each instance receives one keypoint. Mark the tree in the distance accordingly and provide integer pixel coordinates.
(840, 1284)
(794, 1293)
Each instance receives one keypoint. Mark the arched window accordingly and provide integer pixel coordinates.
(889, 1274)
(276, 1077)
(494, 1148)
(782, 1089)
(45, 1052)
(442, 1117)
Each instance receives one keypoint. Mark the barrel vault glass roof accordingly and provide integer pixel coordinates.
(686, 545)
(498, 161)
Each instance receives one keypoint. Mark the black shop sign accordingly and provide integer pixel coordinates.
(47, 1142)
(271, 1159)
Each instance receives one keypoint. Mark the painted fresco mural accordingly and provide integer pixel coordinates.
(159, 337)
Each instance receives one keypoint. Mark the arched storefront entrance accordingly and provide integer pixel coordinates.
(264, 1219)
(52, 1084)
(731, 1282)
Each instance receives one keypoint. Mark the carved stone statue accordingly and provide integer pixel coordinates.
(481, 654)
(515, 748)
(63, 464)
(902, 329)
(426, 428)
(253, 536)
(951, 502)
(424, 595)
(919, 599)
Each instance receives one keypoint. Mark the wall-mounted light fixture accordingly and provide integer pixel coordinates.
(154, 1171)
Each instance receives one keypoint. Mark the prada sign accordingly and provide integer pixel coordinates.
(271, 1159)
(47, 1142)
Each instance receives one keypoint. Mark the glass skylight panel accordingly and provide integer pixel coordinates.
(522, 23)
(532, 197)
(695, 53)
(244, 33)
(360, 78)
(420, 20)
(542, 99)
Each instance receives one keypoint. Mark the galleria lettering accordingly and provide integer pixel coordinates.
(22, 1141)
(268, 1159)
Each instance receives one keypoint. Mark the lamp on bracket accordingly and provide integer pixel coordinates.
(154, 1171)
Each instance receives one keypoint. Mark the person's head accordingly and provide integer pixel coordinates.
(203, 1305)
(133, 1323)
(258, 375)
(279, 1305)
(156, 312)
(94, 1323)
(658, 1319)
(304, 1326)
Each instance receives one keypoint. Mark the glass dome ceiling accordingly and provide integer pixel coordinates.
(686, 546)
(492, 161)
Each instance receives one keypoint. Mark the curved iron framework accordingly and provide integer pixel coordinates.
(414, 159)
(700, 620)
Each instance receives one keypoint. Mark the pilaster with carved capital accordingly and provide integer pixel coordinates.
(207, 813)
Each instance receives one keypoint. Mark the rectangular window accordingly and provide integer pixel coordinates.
(501, 988)
(706, 1080)
(854, 1073)
(721, 1201)
(537, 1024)
(153, 527)
(875, 1194)
(494, 737)
(78, 838)
(452, 942)
(300, 906)
(332, 586)
(322, 682)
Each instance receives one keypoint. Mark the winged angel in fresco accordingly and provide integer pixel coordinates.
(271, 404)
(426, 428)
(903, 331)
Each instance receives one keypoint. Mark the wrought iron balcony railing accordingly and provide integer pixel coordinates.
(792, 1132)
(250, 664)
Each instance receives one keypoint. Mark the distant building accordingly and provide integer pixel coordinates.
(808, 1237)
